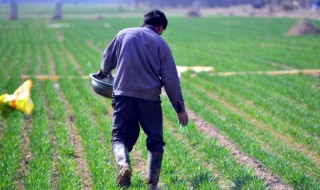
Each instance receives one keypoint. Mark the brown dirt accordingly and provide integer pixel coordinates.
(75, 62)
(282, 137)
(198, 156)
(72, 58)
(273, 181)
(55, 173)
(80, 155)
(52, 62)
(26, 155)
(303, 27)
(2, 127)
(90, 43)
(140, 165)
(286, 67)
(28, 65)
(103, 140)
(60, 36)
(79, 150)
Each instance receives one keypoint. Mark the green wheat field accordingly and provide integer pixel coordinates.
(253, 124)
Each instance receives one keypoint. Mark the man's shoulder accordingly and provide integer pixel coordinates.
(129, 30)
(146, 33)
(139, 30)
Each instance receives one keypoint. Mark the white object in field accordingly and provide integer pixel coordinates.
(197, 69)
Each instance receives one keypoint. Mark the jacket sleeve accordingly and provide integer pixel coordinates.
(109, 59)
(170, 80)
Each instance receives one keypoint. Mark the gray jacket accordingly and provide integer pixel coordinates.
(143, 63)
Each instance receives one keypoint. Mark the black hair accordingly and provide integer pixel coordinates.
(155, 18)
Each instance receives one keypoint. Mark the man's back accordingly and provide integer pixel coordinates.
(140, 52)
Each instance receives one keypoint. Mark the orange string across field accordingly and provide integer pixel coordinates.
(313, 72)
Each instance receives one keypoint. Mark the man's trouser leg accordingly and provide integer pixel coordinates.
(154, 168)
(150, 117)
(121, 155)
(125, 132)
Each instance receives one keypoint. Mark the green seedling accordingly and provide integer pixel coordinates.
(183, 129)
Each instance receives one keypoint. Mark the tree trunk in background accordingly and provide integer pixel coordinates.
(271, 7)
(58, 11)
(306, 4)
(138, 3)
(13, 10)
(195, 8)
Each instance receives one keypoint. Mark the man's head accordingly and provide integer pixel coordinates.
(157, 19)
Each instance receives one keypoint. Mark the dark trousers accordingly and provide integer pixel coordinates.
(131, 113)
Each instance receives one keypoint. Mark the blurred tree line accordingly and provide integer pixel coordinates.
(196, 4)
(220, 3)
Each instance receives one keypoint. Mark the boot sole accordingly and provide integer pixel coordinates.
(124, 177)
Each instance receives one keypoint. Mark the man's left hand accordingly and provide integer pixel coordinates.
(183, 118)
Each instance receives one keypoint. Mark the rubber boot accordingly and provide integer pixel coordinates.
(121, 155)
(154, 168)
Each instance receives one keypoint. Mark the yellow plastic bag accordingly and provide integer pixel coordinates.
(20, 99)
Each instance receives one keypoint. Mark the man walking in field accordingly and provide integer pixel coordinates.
(144, 64)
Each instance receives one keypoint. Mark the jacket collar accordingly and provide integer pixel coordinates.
(151, 27)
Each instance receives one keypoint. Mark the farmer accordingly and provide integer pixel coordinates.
(143, 63)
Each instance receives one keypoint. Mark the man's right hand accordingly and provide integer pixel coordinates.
(183, 118)
(101, 75)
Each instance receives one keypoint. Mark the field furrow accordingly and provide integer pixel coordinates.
(294, 114)
(207, 149)
(79, 154)
(197, 155)
(28, 60)
(253, 107)
(253, 144)
(273, 181)
(230, 107)
(280, 135)
(67, 168)
(93, 148)
(40, 163)
(22, 171)
(11, 149)
(53, 143)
